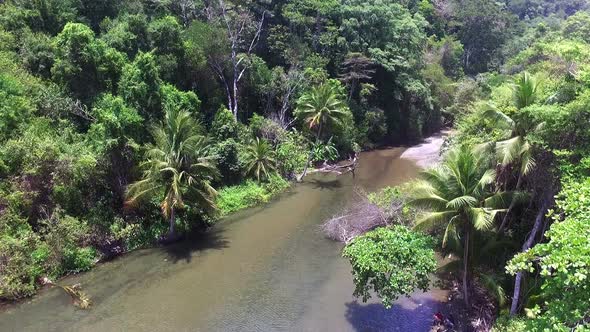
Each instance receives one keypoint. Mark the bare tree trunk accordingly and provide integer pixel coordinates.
(466, 266)
(512, 203)
(236, 26)
(526, 246)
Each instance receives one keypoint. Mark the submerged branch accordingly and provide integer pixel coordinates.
(79, 298)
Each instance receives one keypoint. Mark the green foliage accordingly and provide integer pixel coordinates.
(21, 263)
(324, 151)
(291, 153)
(63, 235)
(224, 125)
(564, 265)
(483, 31)
(176, 100)
(26, 256)
(85, 65)
(227, 158)
(115, 124)
(460, 203)
(249, 194)
(393, 201)
(37, 52)
(140, 86)
(127, 34)
(578, 27)
(83, 82)
(165, 36)
(322, 108)
(390, 262)
(15, 106)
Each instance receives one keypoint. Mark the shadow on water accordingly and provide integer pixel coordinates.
(415, 317)
(407, 315)
(197, 242)
(325, 184)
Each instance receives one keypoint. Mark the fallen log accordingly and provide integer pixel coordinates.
(338, 169)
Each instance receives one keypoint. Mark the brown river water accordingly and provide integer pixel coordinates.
(264, 269)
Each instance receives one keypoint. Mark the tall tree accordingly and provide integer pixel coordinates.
(516, 149)
(319, 108)
(178, 166)
(483, 29)
(242, 32)
(355, 68)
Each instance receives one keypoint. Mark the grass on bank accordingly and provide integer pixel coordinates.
(248, 194)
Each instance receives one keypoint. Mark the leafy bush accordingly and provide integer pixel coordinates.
(21, 259)
(65, 237)
(226, 153)
(390, 262)
(224, 125)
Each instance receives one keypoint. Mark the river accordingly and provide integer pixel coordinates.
(264, 269)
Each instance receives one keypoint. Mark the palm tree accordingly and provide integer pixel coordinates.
(525, 90)
(178, 166)
(459, 197)
(516, 149)
(319, 108)
(260, 159)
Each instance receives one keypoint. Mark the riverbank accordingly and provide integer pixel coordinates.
(428, 152)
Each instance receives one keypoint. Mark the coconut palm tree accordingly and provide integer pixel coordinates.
(319, 108)
(177, 166)
(525, 90)
(516, 148)
(458, 196)
(260, 159)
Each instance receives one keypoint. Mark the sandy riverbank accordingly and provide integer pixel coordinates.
(427, 153)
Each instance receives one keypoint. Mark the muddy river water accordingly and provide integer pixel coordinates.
(264, 269)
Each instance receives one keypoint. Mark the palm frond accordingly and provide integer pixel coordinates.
(433, 219)
(461, 202)
(510, 150)
(498, 118)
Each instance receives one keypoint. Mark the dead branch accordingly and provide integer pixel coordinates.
(338, 169)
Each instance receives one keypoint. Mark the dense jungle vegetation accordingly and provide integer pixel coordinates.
(126, 123)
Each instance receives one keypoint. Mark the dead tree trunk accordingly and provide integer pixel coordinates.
(526, 246)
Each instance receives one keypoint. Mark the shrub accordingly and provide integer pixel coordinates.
(390, 262)
(291, 153)
(66, 238)
(224, 125)
(228, 162)
(21, 257)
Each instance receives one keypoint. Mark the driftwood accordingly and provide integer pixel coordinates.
(338, 169)
(360, 217)
(79, 298)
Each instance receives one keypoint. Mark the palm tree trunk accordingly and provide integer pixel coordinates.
(466, 266)
(526, 246)
(172, 228)
(317, 139)
(512, 203)
(300, 178)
